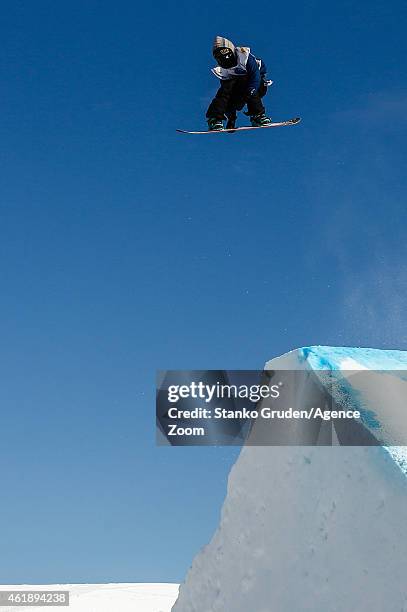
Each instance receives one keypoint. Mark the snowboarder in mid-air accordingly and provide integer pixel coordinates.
(243, 81)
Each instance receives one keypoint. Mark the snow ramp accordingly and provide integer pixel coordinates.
(321, 528)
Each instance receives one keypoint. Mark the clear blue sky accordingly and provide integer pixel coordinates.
(126, 247)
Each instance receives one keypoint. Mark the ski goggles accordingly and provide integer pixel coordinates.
(225, 57)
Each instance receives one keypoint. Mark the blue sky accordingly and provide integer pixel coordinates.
(126, 247)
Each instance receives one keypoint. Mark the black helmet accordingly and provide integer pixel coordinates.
(224, 52)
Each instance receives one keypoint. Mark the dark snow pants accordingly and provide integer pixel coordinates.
(232, 96)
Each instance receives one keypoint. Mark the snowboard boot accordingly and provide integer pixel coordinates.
(231, 122)
(215, 125)
(260, 120)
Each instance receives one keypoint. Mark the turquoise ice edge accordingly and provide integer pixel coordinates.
(334, 358)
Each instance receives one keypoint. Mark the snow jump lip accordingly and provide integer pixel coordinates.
(244, 128)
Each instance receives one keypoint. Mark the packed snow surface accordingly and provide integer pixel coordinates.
(125, 597)
(311, 528)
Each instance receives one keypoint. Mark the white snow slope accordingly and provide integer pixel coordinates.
(104, 597)
(321, 529)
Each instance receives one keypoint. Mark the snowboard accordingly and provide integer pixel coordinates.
(245, 128)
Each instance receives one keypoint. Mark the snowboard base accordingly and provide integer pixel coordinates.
(245, 128)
